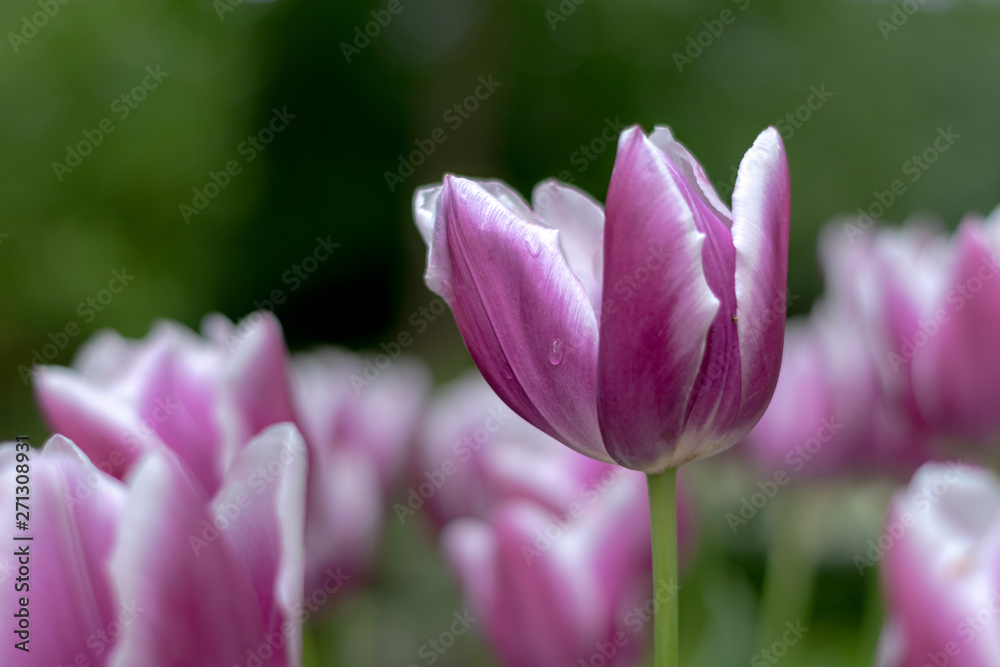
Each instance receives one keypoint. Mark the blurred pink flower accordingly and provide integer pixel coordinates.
(205, 397)
(648, 341)
(941, 570)
(551, 547)
(153, 571)
(941, 303)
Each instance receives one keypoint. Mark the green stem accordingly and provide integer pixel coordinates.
(663, 517)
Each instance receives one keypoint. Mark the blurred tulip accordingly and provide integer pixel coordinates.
(475, 452)
(551, 547)
(205, 398)
(830, 414)
(559, 594)
(649, 341)
(153, 571)
(940, 573)
(941, 300)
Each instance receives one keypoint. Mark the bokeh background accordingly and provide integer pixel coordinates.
(563, 72)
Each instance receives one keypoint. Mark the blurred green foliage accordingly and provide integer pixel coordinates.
(560, 82)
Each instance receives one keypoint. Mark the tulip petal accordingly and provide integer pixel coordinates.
(580, 221)
(523, 314)
(268, 482)
(195, 600)
(257, 381)
(942, 567)
(954, 375)
(73, 513)
(693, 172)
(103, 424)
(761, 213)
(654, 327)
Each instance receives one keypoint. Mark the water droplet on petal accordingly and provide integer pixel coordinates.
(507, 372)
(557, 351)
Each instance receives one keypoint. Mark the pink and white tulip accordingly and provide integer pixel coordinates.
(153, 571)
(205, 398)
(642, 334)
(941, 570)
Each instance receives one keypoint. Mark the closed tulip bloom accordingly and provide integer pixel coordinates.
(645, 334)
(940, 575)
(154, 572)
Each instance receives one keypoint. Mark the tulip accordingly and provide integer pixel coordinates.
(941, 300)
(832, 413)
(529, 524)
(205, 398)
(152, 571)
(557, 592)
(941, 552)
(650, 340)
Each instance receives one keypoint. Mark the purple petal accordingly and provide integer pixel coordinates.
(580, 221)
(523, 314)
(74, 512)
(196, 601)
(658, 308)
(761, 211)
(955, 370)
(105, 424)
(692, 171)
(267, 484)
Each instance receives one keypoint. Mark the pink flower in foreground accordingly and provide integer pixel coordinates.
(650, 339)
(123, 574)
(941, 570)
(204, 398)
